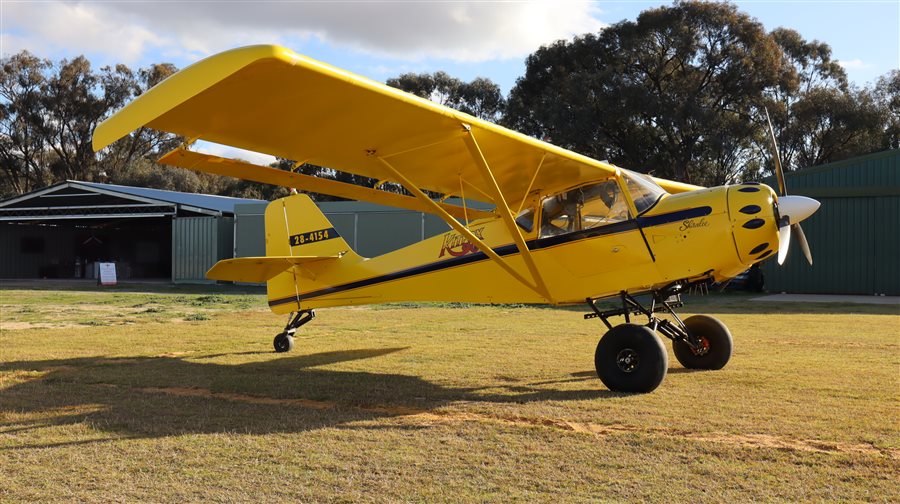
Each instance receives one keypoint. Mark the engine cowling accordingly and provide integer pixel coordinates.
(753, 221)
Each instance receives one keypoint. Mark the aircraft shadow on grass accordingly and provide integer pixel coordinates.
(147, 397)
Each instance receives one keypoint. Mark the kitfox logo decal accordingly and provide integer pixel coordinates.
(458, 245)
(313, 237)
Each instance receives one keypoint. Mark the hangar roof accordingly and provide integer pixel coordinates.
(222, 204)
(74, 199)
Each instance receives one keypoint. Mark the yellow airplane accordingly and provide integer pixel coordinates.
(564, 228)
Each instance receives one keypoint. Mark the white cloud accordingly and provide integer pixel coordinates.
(460, 31)
(45, 27)
(854, 64)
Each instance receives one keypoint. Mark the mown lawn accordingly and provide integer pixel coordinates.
(174, 395)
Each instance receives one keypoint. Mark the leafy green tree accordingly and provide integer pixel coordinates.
(116, 160)
(828, 125)
(672, 93)
(24, 150)
(817, 115)
(481, 97)
(48, 113)
(887, 92)
(75, 100)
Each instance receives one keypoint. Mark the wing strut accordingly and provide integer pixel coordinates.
(531, 184)
(456, 225)
(503, 209)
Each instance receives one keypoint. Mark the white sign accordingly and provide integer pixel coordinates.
(107, 273)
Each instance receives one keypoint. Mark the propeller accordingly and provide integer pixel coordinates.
(792, 209)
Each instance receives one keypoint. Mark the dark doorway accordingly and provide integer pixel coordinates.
(141, 248)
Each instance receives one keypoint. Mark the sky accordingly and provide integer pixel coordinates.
(380, 40)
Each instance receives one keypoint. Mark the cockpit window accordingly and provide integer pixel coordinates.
(582, 208)
(643, 190)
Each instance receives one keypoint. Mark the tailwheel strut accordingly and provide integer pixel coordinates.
(284, 341)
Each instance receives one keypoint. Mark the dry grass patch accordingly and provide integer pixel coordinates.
(437, 403)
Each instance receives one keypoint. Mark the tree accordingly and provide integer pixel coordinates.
(481, 97)
(672, 93)
(887, 92)
(818, 117)
(74, 101)
(48, 113)
(24, 154)
(116, 159)
(828, 125)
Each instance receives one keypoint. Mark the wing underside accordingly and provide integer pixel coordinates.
(271, 100)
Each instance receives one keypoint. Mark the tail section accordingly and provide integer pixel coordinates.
(296, 227)
(300, 242)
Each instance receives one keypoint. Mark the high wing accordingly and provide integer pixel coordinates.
(271, 100)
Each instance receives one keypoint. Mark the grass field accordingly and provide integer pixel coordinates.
(175, 395)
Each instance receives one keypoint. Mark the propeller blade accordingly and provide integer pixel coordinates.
(797, 233)
(776, 156)
(784, 243)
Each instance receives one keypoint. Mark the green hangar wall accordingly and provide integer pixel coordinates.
(855, 235)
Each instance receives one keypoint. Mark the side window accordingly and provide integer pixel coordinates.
(607, 205)
(582, 208)
(558, 215)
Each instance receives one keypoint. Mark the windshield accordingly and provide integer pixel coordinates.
(643, 190)
(583, 208)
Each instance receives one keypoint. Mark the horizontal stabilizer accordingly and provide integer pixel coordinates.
(259, 269)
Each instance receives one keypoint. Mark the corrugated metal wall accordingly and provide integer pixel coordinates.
(197, 243)
(855, 235)
(249, 230)
(887, 245)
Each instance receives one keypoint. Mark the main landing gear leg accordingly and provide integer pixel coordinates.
(284, 341)
(630, 358)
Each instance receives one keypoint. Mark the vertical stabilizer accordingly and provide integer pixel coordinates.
(296, 227)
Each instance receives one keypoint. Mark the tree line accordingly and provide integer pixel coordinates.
(680, 92)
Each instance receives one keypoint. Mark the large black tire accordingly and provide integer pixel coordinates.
(283, 343)
(630, 358)
(714, 335)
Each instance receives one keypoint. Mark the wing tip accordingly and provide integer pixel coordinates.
(156, 102)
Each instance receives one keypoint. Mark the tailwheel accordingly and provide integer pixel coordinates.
(630, 358)
(283, 342)
(713, 349)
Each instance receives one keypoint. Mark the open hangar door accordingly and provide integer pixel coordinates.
(66, 230)
(72, 249)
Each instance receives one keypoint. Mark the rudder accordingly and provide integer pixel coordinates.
(296, 227)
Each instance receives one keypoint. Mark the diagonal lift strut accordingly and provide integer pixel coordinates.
(460, 228)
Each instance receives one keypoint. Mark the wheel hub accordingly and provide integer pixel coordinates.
(627, 360)
(703, 348)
